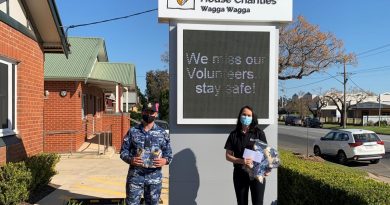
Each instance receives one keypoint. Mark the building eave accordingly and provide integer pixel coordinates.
(44, 17)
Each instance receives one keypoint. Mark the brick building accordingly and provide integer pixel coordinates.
(75, 106)
(28, 29)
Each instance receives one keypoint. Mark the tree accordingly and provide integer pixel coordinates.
(336, 96)
(142, 98)
(157, 81)
(304, 49)
(316, 105)
(302, 102)
(291, 106)
(164, 105)
(165, 58)
(157, 90)
(298, 104)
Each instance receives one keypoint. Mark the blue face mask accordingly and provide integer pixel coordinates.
(245, 120)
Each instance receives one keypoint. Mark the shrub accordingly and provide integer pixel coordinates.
(136, 115)
(383, 123)
(308, 182)
(370, 123)
(15, 179)
(42, 167)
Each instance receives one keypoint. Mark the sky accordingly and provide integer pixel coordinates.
(362, 25)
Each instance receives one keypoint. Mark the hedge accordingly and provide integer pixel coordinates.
(15, 179)
(309, 182)
(19, 181)
(42, 169)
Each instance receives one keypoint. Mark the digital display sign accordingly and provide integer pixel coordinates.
(222, 71)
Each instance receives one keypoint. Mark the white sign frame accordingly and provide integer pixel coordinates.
(267, 11)
(273, 57)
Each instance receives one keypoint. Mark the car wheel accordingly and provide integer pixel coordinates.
(374, 161)
(341, 157)
(317, 151)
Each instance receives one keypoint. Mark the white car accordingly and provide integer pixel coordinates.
(163, 124)
(351, 145)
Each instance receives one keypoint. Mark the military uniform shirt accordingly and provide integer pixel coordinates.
(136, 139)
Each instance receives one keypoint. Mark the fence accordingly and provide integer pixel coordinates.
(372, 120)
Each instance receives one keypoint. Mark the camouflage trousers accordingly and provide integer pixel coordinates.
(146, 183)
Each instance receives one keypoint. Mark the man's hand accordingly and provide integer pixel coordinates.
(159, 162)
(136, 161)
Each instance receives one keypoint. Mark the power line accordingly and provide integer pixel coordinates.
(359, 87)
(333, 77)
(374, 49)
(107, 20)
(373, 69)
(355, 84)
(310, 83)
(365, 56)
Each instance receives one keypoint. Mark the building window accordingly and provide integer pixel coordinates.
(7, 98)
(351, 113)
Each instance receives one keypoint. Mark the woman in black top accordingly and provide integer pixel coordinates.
(242, 137)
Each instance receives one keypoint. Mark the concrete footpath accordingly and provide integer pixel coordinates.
(93, 178)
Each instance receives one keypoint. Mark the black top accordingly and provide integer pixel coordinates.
(238, 141)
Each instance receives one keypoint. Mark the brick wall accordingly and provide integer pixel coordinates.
(120, 126)
(63, 113)
(63, 120)
(65, 142)
(3, 151)
(125, 125)
(65, 128)
(15, 45)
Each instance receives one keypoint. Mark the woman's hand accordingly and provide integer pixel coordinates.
(248, 162)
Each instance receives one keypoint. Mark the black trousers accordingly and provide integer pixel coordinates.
(242, 183)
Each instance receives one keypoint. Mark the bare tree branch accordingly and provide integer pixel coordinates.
(304, 50)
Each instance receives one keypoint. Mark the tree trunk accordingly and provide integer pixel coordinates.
(342, 119)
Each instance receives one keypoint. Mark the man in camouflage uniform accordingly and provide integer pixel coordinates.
(146, 147)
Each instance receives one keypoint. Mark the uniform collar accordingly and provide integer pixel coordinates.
(141, 126)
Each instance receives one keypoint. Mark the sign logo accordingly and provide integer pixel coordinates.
(181, 4)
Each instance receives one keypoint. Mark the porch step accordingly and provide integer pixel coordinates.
(91, 151)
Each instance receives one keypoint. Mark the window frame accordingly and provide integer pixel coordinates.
(12, 97)
(327, 136)
(338, 138)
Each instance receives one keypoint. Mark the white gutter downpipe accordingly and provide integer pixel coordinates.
(117, 98)
(127, 99)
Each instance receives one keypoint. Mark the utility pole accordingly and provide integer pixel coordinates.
(283, 89)
(379, 99)
(345, 101)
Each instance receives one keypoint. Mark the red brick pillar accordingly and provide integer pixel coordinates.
(120, 126)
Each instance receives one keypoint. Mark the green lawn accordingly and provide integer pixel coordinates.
(378, 130)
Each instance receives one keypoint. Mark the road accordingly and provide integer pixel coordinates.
(296, 139)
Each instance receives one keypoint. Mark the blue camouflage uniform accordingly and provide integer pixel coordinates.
(146, 179)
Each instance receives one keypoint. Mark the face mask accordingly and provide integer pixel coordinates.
(245, 120)
(148, 118)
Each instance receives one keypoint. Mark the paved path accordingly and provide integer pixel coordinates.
(92, 178)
